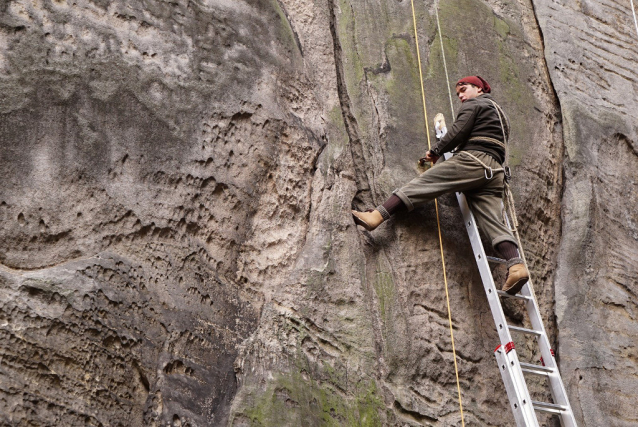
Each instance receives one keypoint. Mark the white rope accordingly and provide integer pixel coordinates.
(633, 9)
(447, 78)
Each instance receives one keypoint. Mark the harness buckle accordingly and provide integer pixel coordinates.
(508, 174)
(491, 173)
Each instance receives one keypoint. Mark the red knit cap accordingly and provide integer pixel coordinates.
(476, 81)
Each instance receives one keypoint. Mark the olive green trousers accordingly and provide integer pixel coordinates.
(461, 173)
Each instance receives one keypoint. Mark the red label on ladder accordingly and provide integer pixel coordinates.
(508, 347)
(551, 350)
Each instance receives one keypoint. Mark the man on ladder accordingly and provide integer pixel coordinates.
(479, 136)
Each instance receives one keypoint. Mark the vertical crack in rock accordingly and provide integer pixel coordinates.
(349, 120)
(559, 152)
(591, 55)
(292, 28)
(379, 161)
(543, 47)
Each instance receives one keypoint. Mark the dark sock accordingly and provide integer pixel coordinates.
(391, 206)
(394, 205)
(508, 250)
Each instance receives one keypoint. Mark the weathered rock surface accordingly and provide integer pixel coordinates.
(143, 144)
(176, 243)
(592, 56)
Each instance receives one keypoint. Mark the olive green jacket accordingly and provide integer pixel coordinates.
(476, 118)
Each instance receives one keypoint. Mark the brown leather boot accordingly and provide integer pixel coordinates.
(517, 276)
(368, 220)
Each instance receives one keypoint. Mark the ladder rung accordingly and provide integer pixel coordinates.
(525, 331)
(517, 296)
(496, 260)
(548, 407)
(536, 369)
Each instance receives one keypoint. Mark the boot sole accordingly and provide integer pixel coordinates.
(516, 287)
(362, 223)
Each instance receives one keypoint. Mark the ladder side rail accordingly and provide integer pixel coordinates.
(515, 375)
(522, 409)
(484, 270)
(557, 388)
(535, 317)
(515, 372)
(534, 314)
(505, 337)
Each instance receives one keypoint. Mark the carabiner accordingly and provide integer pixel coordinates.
(491, 173)
(508, 174)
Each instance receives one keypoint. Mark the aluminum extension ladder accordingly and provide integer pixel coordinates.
(512, 370)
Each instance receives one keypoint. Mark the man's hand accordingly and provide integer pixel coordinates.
(429, 157)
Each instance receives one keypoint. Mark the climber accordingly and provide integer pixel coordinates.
(478, 137)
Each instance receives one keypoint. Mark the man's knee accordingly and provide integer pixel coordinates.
(504, 238)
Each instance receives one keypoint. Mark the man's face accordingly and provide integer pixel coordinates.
(467, 91)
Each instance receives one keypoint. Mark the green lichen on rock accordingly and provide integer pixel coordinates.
(294, 400)
(515, 155)
(501, 27)
(389, 310)
(402, 86)
(384, 287)
(338, 130)
(353, 67)
(286, 32)
(369, 404)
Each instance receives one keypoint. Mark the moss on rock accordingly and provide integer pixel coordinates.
(293, 399)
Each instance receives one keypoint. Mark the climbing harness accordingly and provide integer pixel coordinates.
(509, 211)
(511, 368)
(438, 222)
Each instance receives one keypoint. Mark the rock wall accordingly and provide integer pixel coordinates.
(592, 52)
(177, 247)
(154, 164)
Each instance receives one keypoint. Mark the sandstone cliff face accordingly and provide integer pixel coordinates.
(177, 177)
(592, 54)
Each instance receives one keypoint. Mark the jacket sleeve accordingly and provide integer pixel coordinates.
(460, 130)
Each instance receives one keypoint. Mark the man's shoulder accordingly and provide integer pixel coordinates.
(485, 98)
(471, 104)
(482, 101)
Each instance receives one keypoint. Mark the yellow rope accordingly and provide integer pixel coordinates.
(438, 222)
